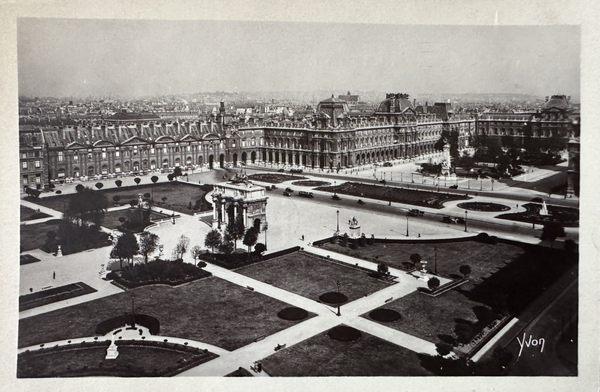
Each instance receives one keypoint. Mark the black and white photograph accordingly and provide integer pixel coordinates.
(264, 198)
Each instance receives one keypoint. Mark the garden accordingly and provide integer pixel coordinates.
(312, 276)
(347, 353)
(136, 359)
(172, 273)
(393, 194)
(209, 310)
(131, 219)
(177, 196)
(274, 178)
(568, 217)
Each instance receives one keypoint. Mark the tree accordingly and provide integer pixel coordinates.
(125, 248)
(99, 185)
(137, 180)
(415, 258)
(118, 183)
(148, 244)
(551, 231)
(226, 247)
(170, 176)
(465, 270)
(35, 193)
(196, 253)
(443, 348)
(433, 283)
(177, 172)
(382, 268)
(86, 205)
(154, 180)
(235, 229)
(213, 240)
(181, 247)
(250, 238)
(259, 248)
(79, 188)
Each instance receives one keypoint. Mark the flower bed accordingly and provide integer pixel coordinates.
(483, 207)
(274, 178)
(172, 273)
(311, 183)
(568, 217)
(54, 294)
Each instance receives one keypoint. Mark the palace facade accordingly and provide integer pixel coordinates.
(333, 137)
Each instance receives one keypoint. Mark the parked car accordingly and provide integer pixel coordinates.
(289, 190)
(415, 212)
(453, 186)
(306, 194)
(273, 187)
(387, 164)
(280, 170)
(286, 193)
(335, 197)
(296, 171)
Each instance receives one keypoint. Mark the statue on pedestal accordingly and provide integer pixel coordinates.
(354, 228)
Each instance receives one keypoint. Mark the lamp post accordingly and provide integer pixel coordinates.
(337, 215)
(466, 212)
(407, 224)
(132, 310)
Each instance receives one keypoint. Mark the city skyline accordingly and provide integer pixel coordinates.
(67, 57)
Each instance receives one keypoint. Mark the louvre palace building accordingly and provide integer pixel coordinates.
(333, 137)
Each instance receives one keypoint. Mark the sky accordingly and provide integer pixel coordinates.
(99, 57)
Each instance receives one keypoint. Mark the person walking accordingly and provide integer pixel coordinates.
(53, 274)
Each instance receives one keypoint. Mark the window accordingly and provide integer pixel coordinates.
(117, 153)
(37, 164)
(24, 155)
(152, 150)
(103, 155)
(75, 158)
(24, 164)
(38, 179)
(36, 154)
(25, 179)
(164, 150)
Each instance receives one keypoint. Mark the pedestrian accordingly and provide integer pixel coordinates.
(53, 274)
(302, 237)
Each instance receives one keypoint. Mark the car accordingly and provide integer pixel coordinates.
(306, 194)
(289, 190)
(286, 193)
(335, 197)
(453, 186)
(280, 170)
(273, 187)
(296, 171)
(382, 181)
(415, 212)
(359, 201)
(387, 164)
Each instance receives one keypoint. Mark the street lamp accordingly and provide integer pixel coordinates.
(466, 212)
(337, 215)
(407, 224)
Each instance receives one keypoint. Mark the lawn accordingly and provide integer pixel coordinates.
(209, 310)
(134, 360)
(568, 217)
(179, 196)
(72, 238)
(274, 178)
(110, 219)
(54, 294)
(28, 259)
(34, 236)
(428, 317)
(311, 276)
(446, 256)
(396, 195)
(30, 214)
(322, 356)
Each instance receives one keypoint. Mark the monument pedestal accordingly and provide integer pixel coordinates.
(112, 351)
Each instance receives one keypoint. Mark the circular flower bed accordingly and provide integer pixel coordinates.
(344, 333)
(384, 315)
(334, 298)
(292, 314)
(311, 183)
(484, 207)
